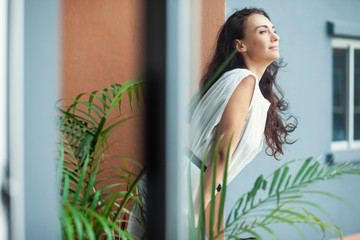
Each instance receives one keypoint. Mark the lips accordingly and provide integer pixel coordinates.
(274, 47)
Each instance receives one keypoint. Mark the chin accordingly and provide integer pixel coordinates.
(273, 59)
(276, 57)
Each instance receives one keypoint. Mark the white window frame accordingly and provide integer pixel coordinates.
(350, 45)
(4, 224)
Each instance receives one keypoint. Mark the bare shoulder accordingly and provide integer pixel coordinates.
(248, 82)
(239, 103)
(244, 90)
(237, 107)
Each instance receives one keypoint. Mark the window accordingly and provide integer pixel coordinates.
(346, 94)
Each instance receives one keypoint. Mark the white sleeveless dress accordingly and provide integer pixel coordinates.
(206, 118)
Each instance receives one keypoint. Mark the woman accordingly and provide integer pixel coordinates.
(240, 104)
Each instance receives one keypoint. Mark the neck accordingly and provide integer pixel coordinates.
(257, 68)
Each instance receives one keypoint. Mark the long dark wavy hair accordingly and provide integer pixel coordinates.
(277, 128)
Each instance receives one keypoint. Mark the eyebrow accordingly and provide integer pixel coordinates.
(264, 26)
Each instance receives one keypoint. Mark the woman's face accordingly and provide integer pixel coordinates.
(261, 42)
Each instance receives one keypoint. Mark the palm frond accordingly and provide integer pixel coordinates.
(88, 211)
(257, 213)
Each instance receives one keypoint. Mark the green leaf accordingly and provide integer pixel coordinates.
(79, 120)
(318, 221)
(256, 187)
(302, 169)
(212, 202)
(287, 182)
(136, 91)
(277, 209)
(336, 229)
(105, 96)
(90, 186)
(315, 206)
(118, 97)
(264, 184)
(66, 187)
(201, 223)
(141, 85)
(97, 133)
(129, 92)
(66, 222)
(60, 165)
(130, 160)
(224, 186)
(268, 230)
(274, 180)
(191, 217)
(82, 145)
(93, 110)
(78, 214)
(78, 226)
(95, 200)
(315, 169)
(308, 172)
(103, 101)
(240, 201)
(81, 180)
(330, 170)
(282, 178)
(75, 102)
(91, 98)
(129, 192)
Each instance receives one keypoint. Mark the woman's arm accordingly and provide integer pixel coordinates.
(231, 124)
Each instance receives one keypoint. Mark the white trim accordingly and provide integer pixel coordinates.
(350, 90)
(344, 43)
(3, 83)
(355, 144)
(339, 146)
(16, 118)
(3, 114)
(345, 146)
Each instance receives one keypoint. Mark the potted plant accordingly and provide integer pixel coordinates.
(88, 208)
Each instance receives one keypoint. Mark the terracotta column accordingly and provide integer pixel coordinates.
(102, 44)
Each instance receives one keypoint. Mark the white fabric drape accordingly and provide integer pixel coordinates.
(207, 115)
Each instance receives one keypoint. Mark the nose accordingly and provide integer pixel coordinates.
(275, 37)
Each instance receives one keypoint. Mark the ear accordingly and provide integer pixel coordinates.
(239, 45)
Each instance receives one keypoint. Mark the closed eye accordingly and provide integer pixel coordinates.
(266, 27)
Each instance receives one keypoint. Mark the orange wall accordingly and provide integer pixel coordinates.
(213, 17)
(102, 44)
(103, 41)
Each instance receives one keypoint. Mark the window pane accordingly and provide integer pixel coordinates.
(357, 96)
(339, 94)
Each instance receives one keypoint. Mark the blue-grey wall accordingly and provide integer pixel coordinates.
(41, 75)
(306, 81)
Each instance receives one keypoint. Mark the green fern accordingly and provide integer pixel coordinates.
(284, 201)
(88, 211)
